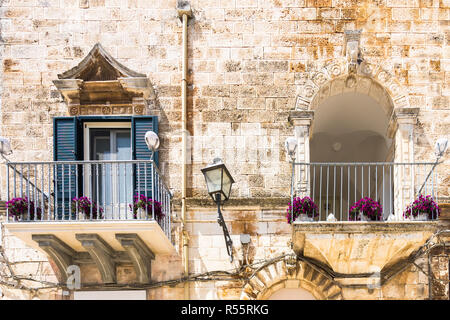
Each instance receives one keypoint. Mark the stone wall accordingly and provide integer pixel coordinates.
(247, 60)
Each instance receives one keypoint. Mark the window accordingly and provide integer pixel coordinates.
(101, 138)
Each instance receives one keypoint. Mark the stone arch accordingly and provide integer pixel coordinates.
(339, 77)
(290, 273)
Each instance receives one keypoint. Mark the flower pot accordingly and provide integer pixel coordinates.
(421, 217)
(363, 217)
(141, 214)
(304, 217)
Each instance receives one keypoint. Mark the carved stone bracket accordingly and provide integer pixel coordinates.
(101, 253)
(139, 254)
(61, 254)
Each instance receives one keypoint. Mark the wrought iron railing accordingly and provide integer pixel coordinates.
(335, 186)
(106, 190)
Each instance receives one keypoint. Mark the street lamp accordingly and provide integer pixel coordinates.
(440, 147)
(291, 147)
(218, 181)
(152, 141)
(5, 146)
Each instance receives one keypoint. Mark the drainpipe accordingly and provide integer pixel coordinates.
(184, 12)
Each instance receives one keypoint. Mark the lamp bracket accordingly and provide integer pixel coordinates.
(226, 234)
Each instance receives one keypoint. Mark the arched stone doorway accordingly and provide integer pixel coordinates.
(291, 294)
(345, 115)
(291, 278)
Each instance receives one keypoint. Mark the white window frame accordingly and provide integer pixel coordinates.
(86, 139)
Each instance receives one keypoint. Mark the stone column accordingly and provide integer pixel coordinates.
(401, 129)
(302, 121)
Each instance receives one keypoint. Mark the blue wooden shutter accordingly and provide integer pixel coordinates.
(66, 147)
(139, 126)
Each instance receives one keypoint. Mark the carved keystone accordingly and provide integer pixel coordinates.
(101, 253)
(61, 254)
(139, 253)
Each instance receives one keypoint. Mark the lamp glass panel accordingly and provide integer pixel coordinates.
(226, 188)
(214, 180)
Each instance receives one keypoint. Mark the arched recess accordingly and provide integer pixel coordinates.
(329, 103)
(290, 273)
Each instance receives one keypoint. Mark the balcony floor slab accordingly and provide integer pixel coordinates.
(360, 247)
(149, 231)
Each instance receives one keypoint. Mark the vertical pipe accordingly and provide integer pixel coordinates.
(184, 13)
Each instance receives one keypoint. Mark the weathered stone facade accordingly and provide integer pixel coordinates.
(251, 63)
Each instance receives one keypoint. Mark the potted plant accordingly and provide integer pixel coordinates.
(302, 208)
(142, 207)
(366, 209)
(423, 208)
(18, 209)
(83, 206)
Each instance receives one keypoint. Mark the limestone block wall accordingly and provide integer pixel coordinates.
(247, 60)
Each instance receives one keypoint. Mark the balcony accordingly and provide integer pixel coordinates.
(101, 226)
(359, 252)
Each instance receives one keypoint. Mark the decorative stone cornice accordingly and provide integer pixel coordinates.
(99, 84)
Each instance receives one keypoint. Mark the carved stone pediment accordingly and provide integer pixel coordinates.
(100, 80)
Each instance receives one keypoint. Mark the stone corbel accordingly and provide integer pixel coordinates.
(301, 118)
(61, 254)
(139, 254)
(70, 89)
(101, 253)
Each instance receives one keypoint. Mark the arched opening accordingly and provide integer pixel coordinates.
(291, 294)
(349, 137)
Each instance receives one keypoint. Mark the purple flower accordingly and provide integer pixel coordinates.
(146, 203)
(368, 207)
(302, 206)
(423, 205)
